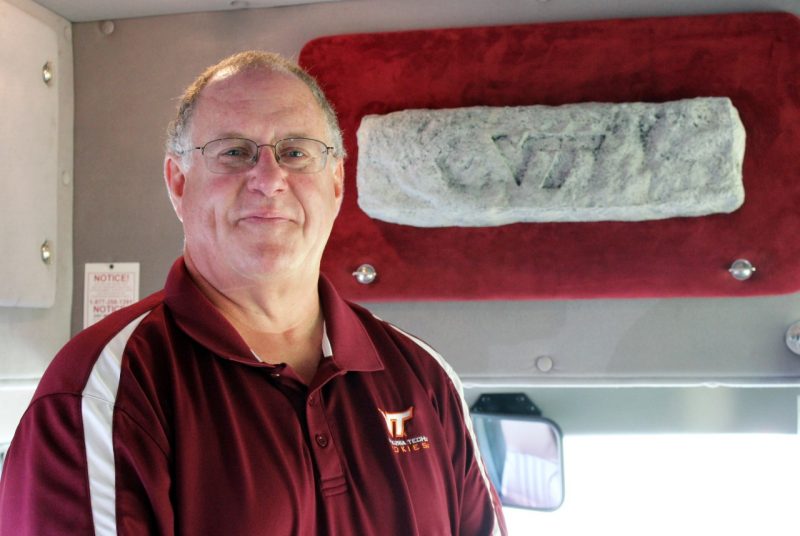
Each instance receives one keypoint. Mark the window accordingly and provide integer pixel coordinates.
(667, 484)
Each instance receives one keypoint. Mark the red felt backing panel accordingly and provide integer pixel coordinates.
(751, 58)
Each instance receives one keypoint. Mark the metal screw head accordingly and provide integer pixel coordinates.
(365, 274)
(46, 252)
(741, 269)
(793, 338)
(47, 73)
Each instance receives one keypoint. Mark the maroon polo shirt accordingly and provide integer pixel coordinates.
(160, 420)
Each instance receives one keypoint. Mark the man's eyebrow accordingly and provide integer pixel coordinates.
(230, 134)
(290, 134)
(298, 135)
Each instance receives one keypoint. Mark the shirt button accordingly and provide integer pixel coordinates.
(322, 440)
(311, 400)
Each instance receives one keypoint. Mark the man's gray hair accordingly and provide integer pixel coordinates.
(178, 131)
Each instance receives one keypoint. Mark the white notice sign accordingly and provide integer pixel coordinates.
(108, 287)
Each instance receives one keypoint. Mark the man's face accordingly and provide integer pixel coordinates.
(265, 222)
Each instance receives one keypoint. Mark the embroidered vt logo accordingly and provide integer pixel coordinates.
(396, 421)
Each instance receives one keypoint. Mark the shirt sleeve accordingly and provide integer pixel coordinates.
(44, 488)
(481, 511)
(55, 481)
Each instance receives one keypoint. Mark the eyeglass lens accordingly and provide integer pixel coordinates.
(231, 155)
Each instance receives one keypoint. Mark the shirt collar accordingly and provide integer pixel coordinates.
(327, 350)
(344, 339)
(200, 319)
(350, 344)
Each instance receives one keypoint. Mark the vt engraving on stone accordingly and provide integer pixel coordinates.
(551, 158)
(488, 166)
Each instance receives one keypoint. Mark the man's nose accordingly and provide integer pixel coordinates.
(267, 176)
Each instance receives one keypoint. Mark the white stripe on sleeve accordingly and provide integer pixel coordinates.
(97, 409)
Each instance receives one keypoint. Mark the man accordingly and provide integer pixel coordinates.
(247, 398)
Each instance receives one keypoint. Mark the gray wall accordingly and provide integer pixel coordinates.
(125, 87)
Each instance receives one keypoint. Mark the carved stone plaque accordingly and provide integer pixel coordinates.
(486, 166)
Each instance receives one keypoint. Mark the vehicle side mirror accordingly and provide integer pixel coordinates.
(3, 450)
(521, 449)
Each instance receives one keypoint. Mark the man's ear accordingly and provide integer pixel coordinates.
(338, 183)
(175, 180)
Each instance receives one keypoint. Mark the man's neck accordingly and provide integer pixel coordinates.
(281, 320)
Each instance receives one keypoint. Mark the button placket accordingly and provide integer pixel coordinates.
(317, 423)
(324, 452)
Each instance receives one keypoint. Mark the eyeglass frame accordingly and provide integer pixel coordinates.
(274, 146)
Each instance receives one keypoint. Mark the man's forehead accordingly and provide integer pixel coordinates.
(260, 91)
(224, 103)
(229, 80)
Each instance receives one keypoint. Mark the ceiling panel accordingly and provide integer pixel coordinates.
(89, 10)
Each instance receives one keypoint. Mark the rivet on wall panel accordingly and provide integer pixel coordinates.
(107, 27)
(47, 73)
(544, 363)
(47, 252)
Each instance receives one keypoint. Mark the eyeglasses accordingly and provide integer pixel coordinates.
(234, 155)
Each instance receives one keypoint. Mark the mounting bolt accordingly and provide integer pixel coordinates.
(793, 338)
(46, 252)
(47, 73)
(742, 269)
(365, 274)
